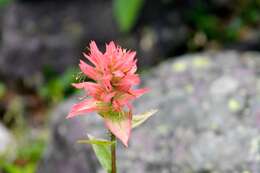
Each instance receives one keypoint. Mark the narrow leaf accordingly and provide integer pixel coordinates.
(95, 141)
(102, 151)
(141, 118)
(127, 12)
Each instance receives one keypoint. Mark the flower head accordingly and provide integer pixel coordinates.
(110, 92)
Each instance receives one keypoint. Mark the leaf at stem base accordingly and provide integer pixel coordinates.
(101, 148)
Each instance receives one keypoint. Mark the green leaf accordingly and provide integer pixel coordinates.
(102, 150)
(5, 2)
(141, 118)
(2, 90)
(96, 142)
(126, 13)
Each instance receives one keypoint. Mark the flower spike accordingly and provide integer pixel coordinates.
(111, 92)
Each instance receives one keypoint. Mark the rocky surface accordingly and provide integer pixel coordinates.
(44, 35)
(50, 34)
(7, 144)
(208, 121)
(40, 35)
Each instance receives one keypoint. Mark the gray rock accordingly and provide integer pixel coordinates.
(208, 121)
(64, 155)
(223, 86)
(51, 35)
(40, 35)
(7, 144)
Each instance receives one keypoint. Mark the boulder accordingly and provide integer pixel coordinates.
(208, 121)
(7, 144)
(50, 35)
(40, 35)
(63, 154)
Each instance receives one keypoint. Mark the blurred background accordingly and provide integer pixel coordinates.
(40, 46)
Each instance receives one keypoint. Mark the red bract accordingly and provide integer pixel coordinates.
(111, 92)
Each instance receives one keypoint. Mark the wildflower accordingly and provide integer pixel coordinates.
(110, 92)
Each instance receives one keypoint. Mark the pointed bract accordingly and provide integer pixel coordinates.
(88, 70)
(86, 106)
(120, 128)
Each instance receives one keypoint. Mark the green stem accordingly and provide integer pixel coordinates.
(113, 152)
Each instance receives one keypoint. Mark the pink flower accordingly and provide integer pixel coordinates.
(111, 91)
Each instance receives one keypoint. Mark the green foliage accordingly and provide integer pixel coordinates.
(15, 113)
(27, 158)
(250, 12)
(2, 90)
(126, 13)
(204, 21)
(102, 151)
(114, 115)
(141, 118)
(245, 15)
(32, 151)
(58, 87)
(12, 168)
(102, 147)
(95, 141)
(232, 32)
(4, 2)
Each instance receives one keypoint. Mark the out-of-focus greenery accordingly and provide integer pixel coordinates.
(201, 19)
(14, 114)
(58, 87)
(215, 28)
(2, 90)
(126, 13)
(27, 158)
(250, 12)
(224, 28)
(4, 2)
(205, 20)
(29, 152)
